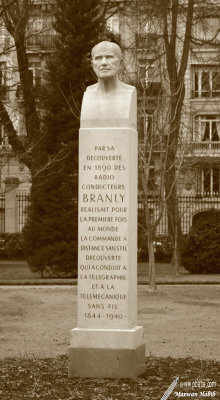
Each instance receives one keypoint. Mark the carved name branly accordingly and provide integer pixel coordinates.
(107, 233)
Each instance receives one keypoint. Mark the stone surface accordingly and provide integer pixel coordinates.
(117, 109)
(107, 276)
(107, 338)
(107, 341)
(106, 363)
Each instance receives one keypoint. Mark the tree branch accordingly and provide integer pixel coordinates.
(13, 138)
(187, 40)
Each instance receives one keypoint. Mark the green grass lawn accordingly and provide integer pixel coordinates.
(181, 333)
(18, 271)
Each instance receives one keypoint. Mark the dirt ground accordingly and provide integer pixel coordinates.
(179, 321)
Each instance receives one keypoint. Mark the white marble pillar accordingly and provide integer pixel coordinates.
(107, 341)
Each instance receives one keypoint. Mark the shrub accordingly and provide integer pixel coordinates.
(11, 245)
(163, 250)
(162, 246)
(201, 249)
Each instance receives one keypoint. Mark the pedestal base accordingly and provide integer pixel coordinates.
(107, 338)
(106, 363)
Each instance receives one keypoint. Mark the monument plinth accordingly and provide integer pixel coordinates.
(107, 341)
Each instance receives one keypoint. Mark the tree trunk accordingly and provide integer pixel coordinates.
(177, 94)
(31, 116)
(176, 249)
(152, 265)
(174, 222)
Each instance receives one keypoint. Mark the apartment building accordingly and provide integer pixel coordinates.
(140, 35)
(15, 179)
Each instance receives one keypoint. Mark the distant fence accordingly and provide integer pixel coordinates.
(2, 212)
(13, 210)
(188, 207)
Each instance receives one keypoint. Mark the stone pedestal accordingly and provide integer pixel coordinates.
(106, 363)
(107, 341)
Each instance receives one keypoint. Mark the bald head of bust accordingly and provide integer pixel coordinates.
(106, 60)
(104, 45)
(109, 102)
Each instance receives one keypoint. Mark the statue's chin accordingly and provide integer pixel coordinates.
(106, 74)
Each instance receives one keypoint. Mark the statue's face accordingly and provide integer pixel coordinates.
(106, 60)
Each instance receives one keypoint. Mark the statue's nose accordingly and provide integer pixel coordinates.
(103, 60)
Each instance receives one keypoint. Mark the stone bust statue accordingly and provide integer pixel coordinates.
(110, 102)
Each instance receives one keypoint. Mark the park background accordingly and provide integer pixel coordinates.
(46, 42)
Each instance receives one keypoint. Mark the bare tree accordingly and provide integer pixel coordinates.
(15, 16)
(171, 26)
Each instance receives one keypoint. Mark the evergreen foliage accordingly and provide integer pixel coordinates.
(11, 246)
(201, 252)
(51, 231)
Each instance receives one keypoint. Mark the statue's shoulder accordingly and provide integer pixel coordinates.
(92, 87)
(125, 86)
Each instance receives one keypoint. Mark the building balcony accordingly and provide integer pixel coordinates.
(150, 90)
(204, 151)
(205, 94)
(201, 148)
(146, 41)
(201, 152)
(205, 146)
(155, 146)
(40, 42)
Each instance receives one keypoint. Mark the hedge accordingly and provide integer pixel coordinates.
(201, 250)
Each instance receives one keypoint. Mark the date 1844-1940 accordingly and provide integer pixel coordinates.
(108, 316)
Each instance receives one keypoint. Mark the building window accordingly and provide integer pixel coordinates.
(142, 72)
(151, 177)
(3, 81)
(3, 138)
(113, 28)
(210, 181)
(149, 78)
(207, 128)
(35, 73)
(208, 29)
(206, 82)
(146, 40)
(146, 130)
(113, 24)
(149, 128)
